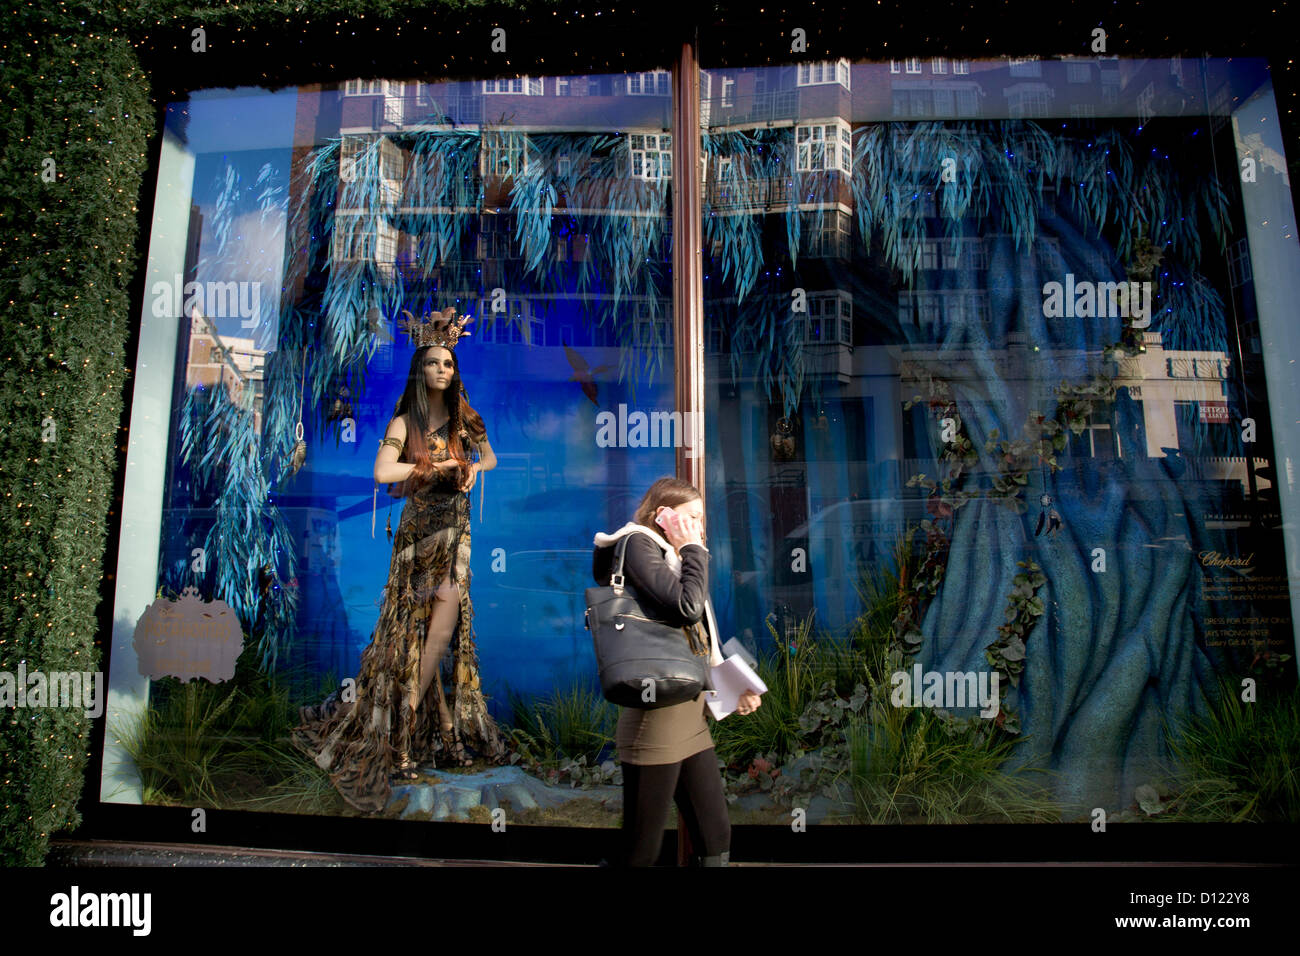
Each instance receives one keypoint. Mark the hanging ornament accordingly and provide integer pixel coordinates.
(267, 578)
(377, 326)
(783, 441)
(342, 406)
(1049, 518)
(299, 455)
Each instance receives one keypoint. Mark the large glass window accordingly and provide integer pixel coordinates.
(321, 228)
(1011, 425)
(991, 354)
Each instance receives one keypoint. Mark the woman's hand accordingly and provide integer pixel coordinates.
(748, 702)
(680, 529)
(424, 471)
(471, 473)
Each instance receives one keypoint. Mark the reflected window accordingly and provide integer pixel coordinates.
(366, 87)
(503, 153)
(651, 155)
(824, 146)
(526, 86)
(1026, 66)
(654, 83)
(827, 71)
(1239, 262)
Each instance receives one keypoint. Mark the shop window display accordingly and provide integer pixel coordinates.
(989, 450)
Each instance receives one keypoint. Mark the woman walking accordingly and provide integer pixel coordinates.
(667, 753)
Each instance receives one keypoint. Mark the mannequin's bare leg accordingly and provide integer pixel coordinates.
(442, 623)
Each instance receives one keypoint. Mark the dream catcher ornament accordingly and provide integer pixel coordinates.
(1049, 518)
(299, 455)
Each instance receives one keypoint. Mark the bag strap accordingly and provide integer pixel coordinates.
(616, 579)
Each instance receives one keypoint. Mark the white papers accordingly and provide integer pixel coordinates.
(733, 646)
(732, 678)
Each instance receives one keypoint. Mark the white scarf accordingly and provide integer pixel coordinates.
(674, 562)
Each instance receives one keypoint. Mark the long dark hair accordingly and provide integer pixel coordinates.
(667, 491)
(414, 404)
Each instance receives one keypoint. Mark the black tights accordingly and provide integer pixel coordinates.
(695, 785)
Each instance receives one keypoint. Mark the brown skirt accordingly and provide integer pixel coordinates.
(359, 745)
(663, 735)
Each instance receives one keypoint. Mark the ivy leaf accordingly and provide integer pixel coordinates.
(1015, 650)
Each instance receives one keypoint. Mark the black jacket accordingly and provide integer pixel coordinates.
(663, 595)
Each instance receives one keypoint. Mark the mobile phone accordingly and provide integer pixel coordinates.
(662, 517)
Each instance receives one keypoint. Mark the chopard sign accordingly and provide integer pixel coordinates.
(1213, 559)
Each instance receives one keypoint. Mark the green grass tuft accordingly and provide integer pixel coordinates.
(1240, 763)
(918, 766)
(572, 722)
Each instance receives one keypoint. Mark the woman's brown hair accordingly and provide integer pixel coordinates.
(668, 492)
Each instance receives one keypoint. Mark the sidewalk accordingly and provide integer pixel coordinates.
(104, 853)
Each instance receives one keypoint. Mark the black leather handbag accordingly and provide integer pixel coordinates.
(643, 663)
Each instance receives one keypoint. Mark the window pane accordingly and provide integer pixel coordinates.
(313, 245)
(813, 455)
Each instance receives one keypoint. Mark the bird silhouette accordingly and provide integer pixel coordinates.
(583, 373)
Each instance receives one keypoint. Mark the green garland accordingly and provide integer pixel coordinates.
(76, 122)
